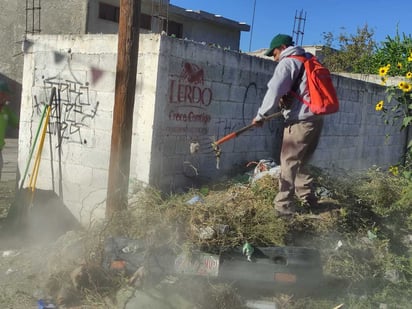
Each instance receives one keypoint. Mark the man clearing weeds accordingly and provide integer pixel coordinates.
(302, 127)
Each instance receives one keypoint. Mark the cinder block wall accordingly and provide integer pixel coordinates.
(186, 93)
(204, 94)
(356, 137)
(76, 152)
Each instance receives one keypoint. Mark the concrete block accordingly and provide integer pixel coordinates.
(104, 83)
(103, 119)
(230, 75)
(96, 159)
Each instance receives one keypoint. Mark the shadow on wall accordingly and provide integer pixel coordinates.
(15, 102)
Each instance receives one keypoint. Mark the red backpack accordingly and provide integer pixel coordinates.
(323, 98)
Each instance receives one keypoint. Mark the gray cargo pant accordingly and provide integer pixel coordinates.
(299, 143)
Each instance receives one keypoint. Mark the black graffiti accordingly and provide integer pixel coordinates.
(71, 109)
(248, 88)
(224, 126)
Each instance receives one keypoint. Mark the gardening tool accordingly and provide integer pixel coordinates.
(35, 173)
(18, 210)
(215, 145)
(244, 129)
(33, 147)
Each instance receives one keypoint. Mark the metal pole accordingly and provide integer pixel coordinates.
(253, 22)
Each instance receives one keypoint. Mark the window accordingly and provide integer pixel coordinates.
(109, 12)
(112, 13)
(175, 29)
(145, 21)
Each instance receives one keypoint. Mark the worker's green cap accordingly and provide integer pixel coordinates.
(4, 87)
(278, 41)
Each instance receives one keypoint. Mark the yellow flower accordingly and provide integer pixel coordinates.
(410, 58)
(394, 170)
(379, 105)
(399, 65)
(407, 87)
(401, 85)
(409, 75)
(383, 70)
(404, 86)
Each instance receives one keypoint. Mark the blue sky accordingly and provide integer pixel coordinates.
(273, 16)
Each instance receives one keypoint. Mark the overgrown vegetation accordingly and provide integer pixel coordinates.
(350, 52)
(359, 53)
(362, 231)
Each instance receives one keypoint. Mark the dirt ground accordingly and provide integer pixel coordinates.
(20, 262)
(50, 247)
(7, 193)
(24, 259)
(29, 261)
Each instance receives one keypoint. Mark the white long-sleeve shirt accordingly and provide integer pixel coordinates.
(283, 80)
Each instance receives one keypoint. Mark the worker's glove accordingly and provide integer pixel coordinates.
(285, 102)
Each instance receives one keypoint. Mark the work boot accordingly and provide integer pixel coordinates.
(310, 202)
(284, 210)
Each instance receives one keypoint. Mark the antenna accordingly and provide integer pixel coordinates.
(298, 27)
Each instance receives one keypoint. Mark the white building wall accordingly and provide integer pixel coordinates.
(76, 152)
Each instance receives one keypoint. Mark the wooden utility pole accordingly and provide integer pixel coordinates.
(128, 49)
